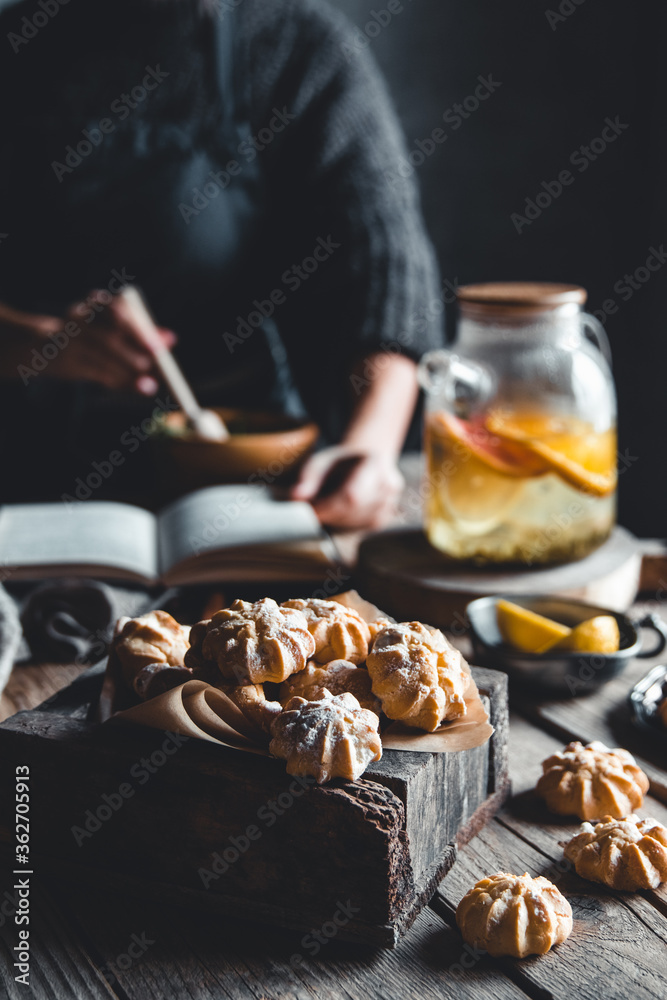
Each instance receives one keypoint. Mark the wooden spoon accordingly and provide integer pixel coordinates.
(205, 423)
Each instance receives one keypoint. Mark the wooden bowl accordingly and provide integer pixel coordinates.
(263, 448)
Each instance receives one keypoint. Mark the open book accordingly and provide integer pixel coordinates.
(234, 533)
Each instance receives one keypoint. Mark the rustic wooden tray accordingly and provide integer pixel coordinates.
(192, 822)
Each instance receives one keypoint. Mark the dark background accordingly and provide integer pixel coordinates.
(558, 85)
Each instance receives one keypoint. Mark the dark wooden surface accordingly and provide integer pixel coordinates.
(89, 942)
(383, 843)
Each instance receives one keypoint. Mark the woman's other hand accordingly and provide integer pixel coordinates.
(357, 484)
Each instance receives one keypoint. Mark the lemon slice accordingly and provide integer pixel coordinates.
(528, 631)
(596, 635)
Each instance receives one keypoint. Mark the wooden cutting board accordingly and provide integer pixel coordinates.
(402, 573)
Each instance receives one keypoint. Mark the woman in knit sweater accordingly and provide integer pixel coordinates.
(238, 160)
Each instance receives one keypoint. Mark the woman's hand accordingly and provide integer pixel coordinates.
(349, 487)
(357, 484)
(96, 341)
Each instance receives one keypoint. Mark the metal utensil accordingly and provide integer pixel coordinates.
(206, 423)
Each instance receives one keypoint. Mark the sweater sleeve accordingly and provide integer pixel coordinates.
(346, 242)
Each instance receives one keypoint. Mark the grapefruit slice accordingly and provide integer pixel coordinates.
(504, 456)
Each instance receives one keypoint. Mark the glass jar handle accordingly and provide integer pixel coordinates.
(435, 369)
(597, 334)
(455, 381)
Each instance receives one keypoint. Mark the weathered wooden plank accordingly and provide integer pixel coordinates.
(60, 967)
(189, 956)
(609, 947)
(602, 715)
(32, 683)
(104, 790)
(528, 816)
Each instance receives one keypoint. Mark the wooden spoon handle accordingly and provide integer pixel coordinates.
(169, 368)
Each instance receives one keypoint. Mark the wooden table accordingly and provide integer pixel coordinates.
(86, 945)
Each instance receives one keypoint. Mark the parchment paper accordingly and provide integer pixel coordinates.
(202, 711)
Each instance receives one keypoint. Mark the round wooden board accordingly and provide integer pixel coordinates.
(410, 580)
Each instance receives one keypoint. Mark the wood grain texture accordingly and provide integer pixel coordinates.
(609, 947)
(182, 824)
(32, 683)
(409, 579)
(192, 957)
(60, 966)
(528, 817)
(603, 715)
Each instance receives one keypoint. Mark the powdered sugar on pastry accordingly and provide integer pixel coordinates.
(628, 853)
(514, 915)
(253, 643)
(417, 674)
(340, 633)
(592, 781)
(337, 677)
(333, 737)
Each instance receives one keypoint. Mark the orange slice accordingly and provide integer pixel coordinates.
(568, 447)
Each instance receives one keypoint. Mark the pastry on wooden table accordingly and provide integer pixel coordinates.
(340, 633)
(152, 638)
(252, 642)
(628, 853)
(592, 781)
(333, 737)
(514, 915)
(418, 675)
(337, 677)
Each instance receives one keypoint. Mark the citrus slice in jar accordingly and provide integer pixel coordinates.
(478, 497)
(506, 457)
(476, 476)
(526, 630)
(582, 458)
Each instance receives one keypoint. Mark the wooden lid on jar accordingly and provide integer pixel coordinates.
(516, 299)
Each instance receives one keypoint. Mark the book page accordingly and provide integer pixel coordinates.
(94, 534)
(232, 517)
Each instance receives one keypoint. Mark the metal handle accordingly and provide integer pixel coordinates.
(655, 622)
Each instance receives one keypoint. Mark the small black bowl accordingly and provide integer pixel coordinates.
(558, 671)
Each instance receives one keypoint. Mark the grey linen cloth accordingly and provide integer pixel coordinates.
(62, 621)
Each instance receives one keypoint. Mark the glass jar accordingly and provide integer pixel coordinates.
(520, 428)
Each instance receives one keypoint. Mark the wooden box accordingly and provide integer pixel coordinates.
(188, 821)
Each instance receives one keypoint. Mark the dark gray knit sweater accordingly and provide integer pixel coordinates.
(240, 162)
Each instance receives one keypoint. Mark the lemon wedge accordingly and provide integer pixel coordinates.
(528, 631)
(596, 635)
